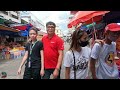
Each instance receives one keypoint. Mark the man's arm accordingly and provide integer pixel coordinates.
(42, 63)
(67, 73)
(42, 59)
(94, 56)
(60, 49)
(60, 59)
(92, 68)
(23, 61)
(59, 63)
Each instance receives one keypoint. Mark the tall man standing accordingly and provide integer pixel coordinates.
(53, 52)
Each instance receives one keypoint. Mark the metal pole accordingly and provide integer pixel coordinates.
(29, 17)
(94, 29)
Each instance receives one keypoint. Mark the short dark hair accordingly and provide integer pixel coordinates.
(50, 23)
(35, 29)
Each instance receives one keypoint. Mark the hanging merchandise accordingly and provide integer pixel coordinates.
(90, 25)
(98, 26)
(84, 28)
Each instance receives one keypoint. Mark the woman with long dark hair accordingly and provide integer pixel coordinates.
(76, 60)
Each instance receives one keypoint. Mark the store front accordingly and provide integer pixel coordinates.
(11, 44)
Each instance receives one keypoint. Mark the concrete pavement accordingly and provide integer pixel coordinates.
(11, 67)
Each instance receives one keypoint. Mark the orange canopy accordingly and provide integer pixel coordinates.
(86, 16)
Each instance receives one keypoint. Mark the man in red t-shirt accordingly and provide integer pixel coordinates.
(53, 52)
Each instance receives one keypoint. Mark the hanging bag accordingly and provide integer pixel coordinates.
(74, 67)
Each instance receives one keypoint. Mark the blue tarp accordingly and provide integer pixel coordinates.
(10, 33)
(20, 33)
(25, 31)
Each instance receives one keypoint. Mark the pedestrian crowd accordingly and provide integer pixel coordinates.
(45, 58)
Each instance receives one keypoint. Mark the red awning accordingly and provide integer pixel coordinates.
(22, 27)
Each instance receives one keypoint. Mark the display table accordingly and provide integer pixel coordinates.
(16, 53)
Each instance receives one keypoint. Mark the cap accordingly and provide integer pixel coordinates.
(113, 27)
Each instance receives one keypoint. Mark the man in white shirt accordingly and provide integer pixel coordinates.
(104, 55)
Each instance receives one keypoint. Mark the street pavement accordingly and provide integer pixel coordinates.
(11, 67)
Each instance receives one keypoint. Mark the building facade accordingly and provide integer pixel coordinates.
(72, 13)
(59, 32)
(29, 17)
(12, 16)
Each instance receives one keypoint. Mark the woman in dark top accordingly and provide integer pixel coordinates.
(34, 67)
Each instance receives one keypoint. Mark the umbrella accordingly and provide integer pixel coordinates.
(87, 17)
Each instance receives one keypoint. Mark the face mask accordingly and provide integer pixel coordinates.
(83, 43)
(112, 38)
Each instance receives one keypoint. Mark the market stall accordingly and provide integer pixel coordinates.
(8, 40)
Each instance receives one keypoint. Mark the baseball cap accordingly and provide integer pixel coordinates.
(113, 27)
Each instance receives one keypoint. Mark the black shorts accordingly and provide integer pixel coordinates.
(31, 73)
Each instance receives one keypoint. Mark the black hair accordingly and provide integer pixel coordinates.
(50, 23)
(35, 29)
(77, 34)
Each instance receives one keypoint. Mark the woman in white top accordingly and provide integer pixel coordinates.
(76, 60)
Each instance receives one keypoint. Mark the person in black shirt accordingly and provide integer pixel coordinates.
(34, 67)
